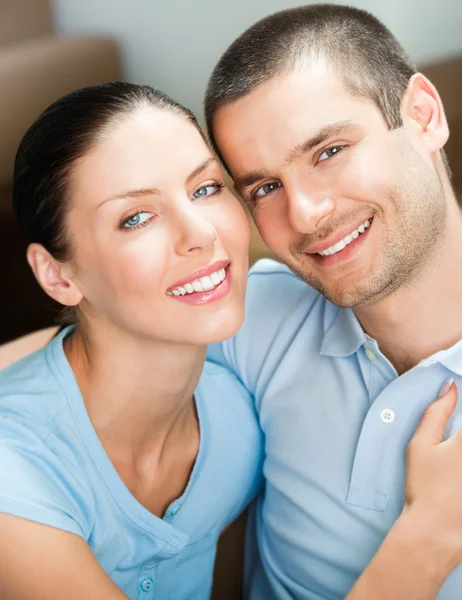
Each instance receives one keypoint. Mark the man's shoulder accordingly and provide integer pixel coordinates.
(280, 308)
(275, 288)
(271, 269)
(278, 305)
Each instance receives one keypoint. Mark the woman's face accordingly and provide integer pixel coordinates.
(158, 243)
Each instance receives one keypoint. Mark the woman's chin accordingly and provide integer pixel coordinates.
(219, 329)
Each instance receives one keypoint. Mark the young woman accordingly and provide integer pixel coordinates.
(122, 457)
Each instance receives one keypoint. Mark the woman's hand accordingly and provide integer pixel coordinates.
(425, 544)
(434, 479)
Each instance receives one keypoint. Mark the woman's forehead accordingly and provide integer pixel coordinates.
(149, 148)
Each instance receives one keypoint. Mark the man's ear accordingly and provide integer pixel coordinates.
(53, 276)
(421, 106)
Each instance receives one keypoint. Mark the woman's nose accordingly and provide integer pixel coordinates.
(195, 232)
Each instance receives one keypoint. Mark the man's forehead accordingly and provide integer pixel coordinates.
(305, 79)
(283, 103)
(274, 119)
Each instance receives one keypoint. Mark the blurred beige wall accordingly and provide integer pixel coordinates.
(174, 44)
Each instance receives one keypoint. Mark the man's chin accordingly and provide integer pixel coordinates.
(348, 293)
(351, 297)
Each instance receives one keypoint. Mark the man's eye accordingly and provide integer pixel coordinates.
(329, 152)
(266, 189)
(136, 220)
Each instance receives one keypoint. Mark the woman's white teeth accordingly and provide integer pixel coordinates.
(346, 240)
(215, 278)
(203, 284)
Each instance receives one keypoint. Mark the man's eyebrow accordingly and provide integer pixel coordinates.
(155, 191)
(247, 179)
(334, 129)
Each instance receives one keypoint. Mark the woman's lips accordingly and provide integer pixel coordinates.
(216, 293)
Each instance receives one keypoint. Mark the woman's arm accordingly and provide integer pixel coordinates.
(13, 351)
(37, 561)
(425, 544)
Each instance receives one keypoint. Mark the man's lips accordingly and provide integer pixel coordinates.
(335, 238)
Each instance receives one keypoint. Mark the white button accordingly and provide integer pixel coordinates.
(387, 415)
(370, 355)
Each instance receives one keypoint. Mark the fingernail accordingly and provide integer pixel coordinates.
(446, 385)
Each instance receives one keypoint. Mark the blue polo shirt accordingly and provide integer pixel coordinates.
(337, 420)
(54, 470)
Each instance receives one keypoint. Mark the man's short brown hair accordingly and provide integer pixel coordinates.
(364, 53)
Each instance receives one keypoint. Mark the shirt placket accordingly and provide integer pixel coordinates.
(387, 429)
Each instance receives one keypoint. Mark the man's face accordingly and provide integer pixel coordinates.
(354, 209)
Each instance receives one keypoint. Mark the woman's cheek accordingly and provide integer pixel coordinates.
(234, 226)
(137, 266)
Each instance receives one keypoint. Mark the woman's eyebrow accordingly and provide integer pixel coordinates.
(201, 168)
(155, 191)
(131, 194)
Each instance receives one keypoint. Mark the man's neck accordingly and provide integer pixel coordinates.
(425, 316)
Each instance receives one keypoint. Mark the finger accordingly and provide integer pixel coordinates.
(431, 427)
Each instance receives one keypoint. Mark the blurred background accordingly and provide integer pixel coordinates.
(48, 48)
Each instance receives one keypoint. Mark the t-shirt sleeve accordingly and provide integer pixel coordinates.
(38, 483)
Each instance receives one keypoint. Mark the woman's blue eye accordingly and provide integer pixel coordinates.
(329, 152)
(207, 190)
(137, 219)
(266, 189)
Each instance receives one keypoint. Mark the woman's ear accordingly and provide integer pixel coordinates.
(422, 108)
(53, 276)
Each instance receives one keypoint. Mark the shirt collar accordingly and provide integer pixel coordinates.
(343, 334)
(450, 358)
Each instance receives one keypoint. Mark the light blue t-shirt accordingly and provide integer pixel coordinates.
(337, 420)
(54, 470)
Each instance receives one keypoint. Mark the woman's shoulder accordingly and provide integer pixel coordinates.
(41, 474)
(13, 351)
(30, 392)
(41, 479)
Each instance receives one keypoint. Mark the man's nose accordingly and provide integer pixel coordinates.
(308, 210)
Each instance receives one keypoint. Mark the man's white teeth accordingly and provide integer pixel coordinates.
(203, 284)
(346, 240)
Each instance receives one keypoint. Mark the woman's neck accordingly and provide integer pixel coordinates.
(138, 392)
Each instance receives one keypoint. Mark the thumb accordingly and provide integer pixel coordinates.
(435, 417)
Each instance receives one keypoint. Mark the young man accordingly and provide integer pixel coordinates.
(335, 143)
